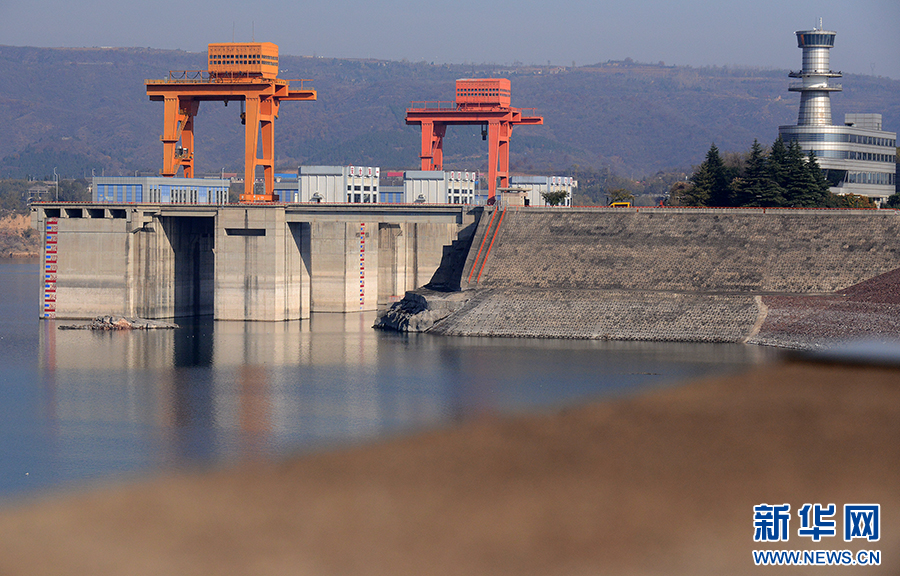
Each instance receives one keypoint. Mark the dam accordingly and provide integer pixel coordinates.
(268, 262)
(663, 274)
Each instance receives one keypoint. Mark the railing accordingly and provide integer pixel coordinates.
(204, 77)
(300, 80)
(433, 105)
(444, 105)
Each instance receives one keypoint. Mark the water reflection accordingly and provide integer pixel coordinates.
(92, 405)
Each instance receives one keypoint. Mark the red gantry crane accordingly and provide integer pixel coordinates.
(484, 101)
(247, 73)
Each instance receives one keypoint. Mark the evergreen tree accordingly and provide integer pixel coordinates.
(756, 187)
(777, 163)
(701, 189)
(819, 191)
(711, 181)
(682, 194)
(796, 177)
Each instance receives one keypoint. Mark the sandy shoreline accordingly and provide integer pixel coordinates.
(659, 484)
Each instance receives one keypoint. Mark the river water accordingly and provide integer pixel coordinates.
(81, 407)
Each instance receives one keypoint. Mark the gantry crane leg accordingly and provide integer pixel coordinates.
(178, 125)
(259, 132)
(433, 145)
(505, 131)
(498, 155)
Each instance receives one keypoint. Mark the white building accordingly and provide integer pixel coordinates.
(330, 184)
(858, 157)
(361, 185)
(536, 186)
(439, 187)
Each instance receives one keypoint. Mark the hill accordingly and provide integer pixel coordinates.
(80, 110)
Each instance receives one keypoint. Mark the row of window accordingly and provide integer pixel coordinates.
(135, 193)
(851, 138)
(873, 140)
(881, 178)
(398, 197)
(813, 39)
(243, 60)
(188, 196)
(851, 155)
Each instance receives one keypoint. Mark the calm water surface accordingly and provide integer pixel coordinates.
(78, 406)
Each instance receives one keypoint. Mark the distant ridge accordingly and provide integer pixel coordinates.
(79, 109)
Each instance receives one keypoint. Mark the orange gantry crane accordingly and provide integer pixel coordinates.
(244, 72)
(484, 101)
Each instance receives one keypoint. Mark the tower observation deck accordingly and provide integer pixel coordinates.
(815, 103)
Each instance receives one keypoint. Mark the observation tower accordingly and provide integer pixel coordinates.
(858, 156)
(814, 89)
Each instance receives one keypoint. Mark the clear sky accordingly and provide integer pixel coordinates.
(684, 32)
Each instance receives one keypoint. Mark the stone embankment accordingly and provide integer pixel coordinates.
(777, 277)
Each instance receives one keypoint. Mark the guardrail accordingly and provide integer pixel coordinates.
(204, 77)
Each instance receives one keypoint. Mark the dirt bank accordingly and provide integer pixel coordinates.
(868, 310)
(660, 484)
(17, 238)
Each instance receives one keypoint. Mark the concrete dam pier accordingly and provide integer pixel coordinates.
(702, 275)
(236, 262)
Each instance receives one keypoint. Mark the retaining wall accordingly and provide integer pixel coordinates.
(660, 274)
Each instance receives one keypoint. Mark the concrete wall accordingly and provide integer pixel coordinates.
(237, 262)
(92, 267)
(344, 267)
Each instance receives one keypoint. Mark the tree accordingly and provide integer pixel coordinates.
(796, 181)
(819, 189)
(711, 181)
(620, 195)
(777, 162)
(756, 187)
(677, 194)
(554, 197)
(851, 201)
(687, 194)
(893, 201)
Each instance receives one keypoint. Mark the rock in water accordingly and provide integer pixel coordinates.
(120, 323)
(421, 309)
